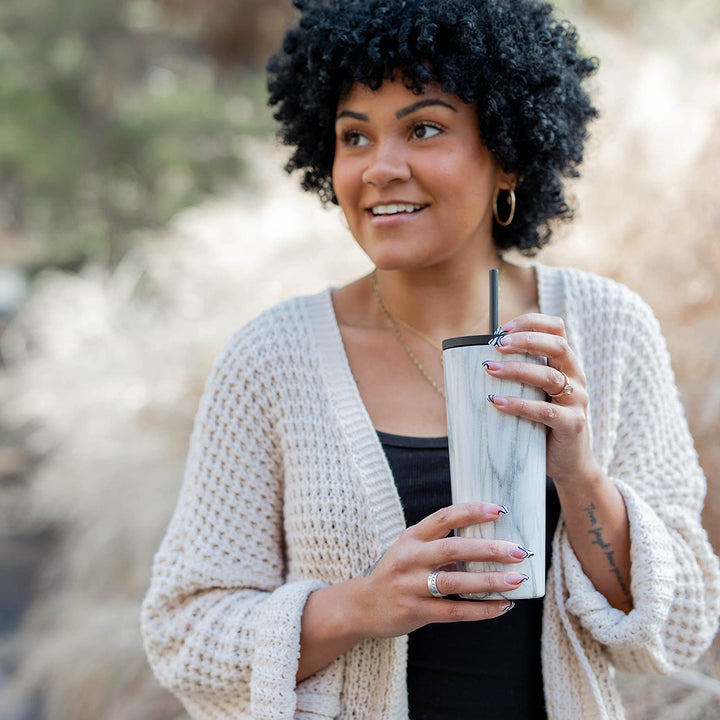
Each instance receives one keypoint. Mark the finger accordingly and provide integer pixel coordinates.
(536, 322)
(440, 523)
(547, 378)
(568, 419)
(463, 583)
(453, 549)
(553, 347)
(439, 610)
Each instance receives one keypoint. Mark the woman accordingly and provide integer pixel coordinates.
(313, 532)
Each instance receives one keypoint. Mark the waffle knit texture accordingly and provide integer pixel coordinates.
(287, 489)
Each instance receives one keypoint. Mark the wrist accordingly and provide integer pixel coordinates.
(590, 480)
(351, 611)
(342, 611)
(577, 488)
(331, 625)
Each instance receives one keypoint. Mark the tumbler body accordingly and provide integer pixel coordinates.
(496, 458)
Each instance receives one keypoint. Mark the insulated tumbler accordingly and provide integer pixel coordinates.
(496, 458)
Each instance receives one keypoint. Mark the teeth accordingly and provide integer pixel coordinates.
(395, 209)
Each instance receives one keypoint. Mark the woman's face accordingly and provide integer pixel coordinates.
(413, 177)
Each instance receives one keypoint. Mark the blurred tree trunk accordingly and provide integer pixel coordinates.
(619, 12)
(238, 31)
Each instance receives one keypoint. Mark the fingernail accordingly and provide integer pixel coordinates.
(516, 578)
(492, 366)
(496, 337)
(521, 553)
(508, 607)
(504, 341)
(497, 400)
(502, 510)
(507, 327)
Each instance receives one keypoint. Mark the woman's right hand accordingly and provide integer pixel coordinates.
(393, 597)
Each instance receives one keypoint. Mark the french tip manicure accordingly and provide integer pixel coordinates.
(521, 553)
(503, 510)
(509, 607)
(497, 337)
(516, 578)
(497, 399)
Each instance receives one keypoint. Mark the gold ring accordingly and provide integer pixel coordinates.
(567, 387)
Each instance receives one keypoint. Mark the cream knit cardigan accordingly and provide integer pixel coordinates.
(287, 489)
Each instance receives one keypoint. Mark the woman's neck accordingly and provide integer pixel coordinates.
(440, 304)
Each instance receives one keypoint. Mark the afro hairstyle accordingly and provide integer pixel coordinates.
(513, 59)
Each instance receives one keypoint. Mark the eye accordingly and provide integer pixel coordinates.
(424, 130)
(353, 138)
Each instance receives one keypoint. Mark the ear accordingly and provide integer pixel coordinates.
(506, 180)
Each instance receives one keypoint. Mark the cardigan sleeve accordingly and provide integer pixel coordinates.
(220, 623)
(650, 457)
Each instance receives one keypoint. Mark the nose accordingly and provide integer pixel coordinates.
(388, 163)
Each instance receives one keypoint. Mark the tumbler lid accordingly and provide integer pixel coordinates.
(466, 340)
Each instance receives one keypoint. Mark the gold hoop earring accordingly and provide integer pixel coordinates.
(511, 203)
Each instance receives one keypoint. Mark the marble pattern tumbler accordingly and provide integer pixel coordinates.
(496, 458)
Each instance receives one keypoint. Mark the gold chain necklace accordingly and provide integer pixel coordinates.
(470, 331)
(430, 341)
(396, 331)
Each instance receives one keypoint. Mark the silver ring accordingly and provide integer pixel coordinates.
(432, 584)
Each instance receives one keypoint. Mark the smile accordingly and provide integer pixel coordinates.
(396, 209)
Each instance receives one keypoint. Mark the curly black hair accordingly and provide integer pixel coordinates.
(512, 58)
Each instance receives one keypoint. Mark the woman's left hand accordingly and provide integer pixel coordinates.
(569, 450)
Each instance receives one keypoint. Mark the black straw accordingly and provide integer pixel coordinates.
(493, 300)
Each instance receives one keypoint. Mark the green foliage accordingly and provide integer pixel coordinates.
(111, 119)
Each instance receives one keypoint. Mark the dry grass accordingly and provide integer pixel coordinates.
(105, 370)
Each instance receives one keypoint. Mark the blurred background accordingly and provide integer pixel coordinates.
(144, 216)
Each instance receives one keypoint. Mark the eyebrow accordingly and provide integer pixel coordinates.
(420, 104)
(403, 112)
(354, 115)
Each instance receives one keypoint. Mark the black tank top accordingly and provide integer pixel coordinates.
(488, 670)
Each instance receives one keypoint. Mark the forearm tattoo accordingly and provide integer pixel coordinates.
(597, 532)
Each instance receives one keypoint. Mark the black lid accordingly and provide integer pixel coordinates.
(466, 340)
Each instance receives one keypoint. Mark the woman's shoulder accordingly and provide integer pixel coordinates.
(601, 312)
(287, 321)
(280, 332)
(598, 299)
